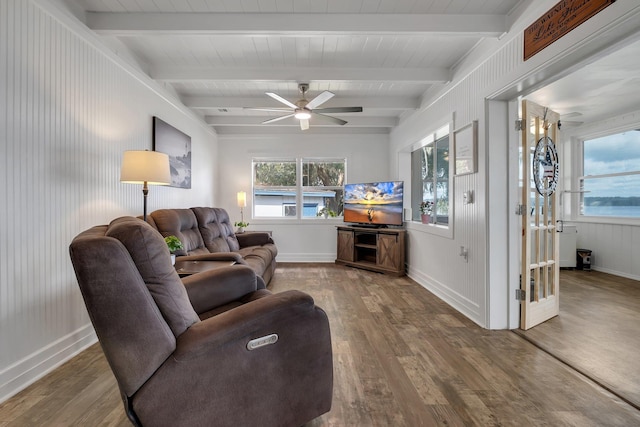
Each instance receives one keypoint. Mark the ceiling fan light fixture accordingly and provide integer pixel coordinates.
(302, 114)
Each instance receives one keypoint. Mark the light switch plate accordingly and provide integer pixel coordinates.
(467, 197)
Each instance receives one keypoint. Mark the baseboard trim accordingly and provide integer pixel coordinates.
(30, 369)
(615, 272)
(308, 257)
(448, 295)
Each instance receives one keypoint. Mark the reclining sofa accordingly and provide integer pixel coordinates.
(210, 349)
(207, 234)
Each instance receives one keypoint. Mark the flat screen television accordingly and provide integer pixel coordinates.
(375, 204)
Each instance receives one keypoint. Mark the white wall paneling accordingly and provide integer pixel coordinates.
(67, 112)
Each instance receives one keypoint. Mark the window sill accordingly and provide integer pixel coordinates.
(606, 220)
(435, 229)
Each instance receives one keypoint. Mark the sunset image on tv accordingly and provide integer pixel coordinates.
(374, 203)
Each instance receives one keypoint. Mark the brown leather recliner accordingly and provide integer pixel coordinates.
(212, 349)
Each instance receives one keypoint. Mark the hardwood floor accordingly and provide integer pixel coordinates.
(597, 330)
(402, 357)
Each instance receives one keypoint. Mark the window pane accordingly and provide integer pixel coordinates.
(276, 187)
(317, 202)
(612, 154)
(274, 174)
(322, 174)
(611, 167)
(442, 180)
(617, 196)
(430, 179)
(274, 202)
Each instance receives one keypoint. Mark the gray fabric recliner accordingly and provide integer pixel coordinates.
(183, 351)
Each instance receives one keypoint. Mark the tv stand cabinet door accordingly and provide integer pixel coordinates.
(390, 251)
(346, 250)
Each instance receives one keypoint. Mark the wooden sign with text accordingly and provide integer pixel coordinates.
(558, 21)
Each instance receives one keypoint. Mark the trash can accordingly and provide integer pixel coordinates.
(583, 259)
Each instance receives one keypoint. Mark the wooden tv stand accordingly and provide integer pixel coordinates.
(375, 249)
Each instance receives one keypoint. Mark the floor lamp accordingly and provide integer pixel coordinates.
(146, 168)
(242, 203)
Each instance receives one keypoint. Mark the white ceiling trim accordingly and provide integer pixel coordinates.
(300, 74)
(298, 24)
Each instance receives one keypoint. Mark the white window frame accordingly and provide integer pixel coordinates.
(299, 188)
(443, 230)
(580, 176)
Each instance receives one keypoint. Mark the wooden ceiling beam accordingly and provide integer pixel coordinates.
(369, 103)
(300, 74)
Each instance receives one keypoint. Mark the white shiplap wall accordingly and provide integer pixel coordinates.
(67, 112)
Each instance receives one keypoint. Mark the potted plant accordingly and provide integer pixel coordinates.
(241, 226)
(174, 244)
(326, 212)
(426, 210)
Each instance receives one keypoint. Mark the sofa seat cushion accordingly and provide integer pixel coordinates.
(258, 264)
(257, 251)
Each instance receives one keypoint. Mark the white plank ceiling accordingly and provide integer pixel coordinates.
(219, 56)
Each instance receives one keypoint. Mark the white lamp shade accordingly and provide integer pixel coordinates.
(151, 167)
(242, 199)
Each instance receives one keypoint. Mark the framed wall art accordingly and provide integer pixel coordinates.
(465, 142)
(177, 145)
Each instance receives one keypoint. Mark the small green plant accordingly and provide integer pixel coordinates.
(241, 224)
(426, 208)
(173, 243)
(326, 212)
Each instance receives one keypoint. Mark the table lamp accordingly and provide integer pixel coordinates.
(147, 168)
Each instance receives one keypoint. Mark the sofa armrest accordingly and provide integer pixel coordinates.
(214, 288)
(214, 256)
(284, 310)
(253, 238)
(288, 382)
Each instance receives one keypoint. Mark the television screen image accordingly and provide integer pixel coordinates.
(374, 203)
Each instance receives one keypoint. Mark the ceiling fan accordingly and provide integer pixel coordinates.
(303, 109)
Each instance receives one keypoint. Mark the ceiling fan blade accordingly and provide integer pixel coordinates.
(266, 109)
(320, 99)
(333, 119)
(304, 124)
(281, 99)
(339, 110)
(277, 119)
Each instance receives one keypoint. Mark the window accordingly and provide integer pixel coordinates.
(293, 187)
(430, 176)
(611, 176)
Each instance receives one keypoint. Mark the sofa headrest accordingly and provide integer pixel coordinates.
(150, 254)
(183, 224)
(216, 230)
